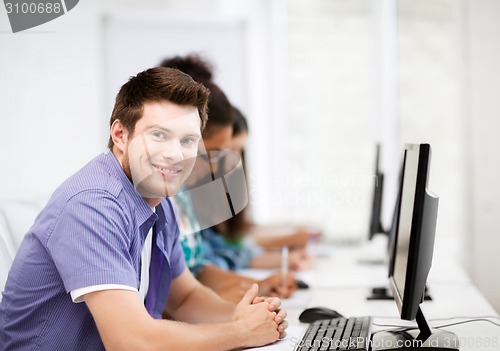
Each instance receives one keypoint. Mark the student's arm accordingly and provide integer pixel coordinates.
(276, 237)
(298, 260)
(124, 324)
(268, 259)
(219, 279)
(232, 283)
(227, 284)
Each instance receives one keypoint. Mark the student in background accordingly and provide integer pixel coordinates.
(103, 259)
(230, 244)
(216, 138)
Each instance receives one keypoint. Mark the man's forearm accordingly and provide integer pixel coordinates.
(211, 307)
(171, 335)
(124, 324)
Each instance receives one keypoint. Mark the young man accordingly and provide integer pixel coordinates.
(103, 259)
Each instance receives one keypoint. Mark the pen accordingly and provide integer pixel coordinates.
(284, 266)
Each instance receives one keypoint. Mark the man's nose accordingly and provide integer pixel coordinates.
(172, 151)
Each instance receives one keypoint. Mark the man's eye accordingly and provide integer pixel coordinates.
(188, 141)
(158, 135)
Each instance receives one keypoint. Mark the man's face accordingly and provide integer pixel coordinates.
(161, 152)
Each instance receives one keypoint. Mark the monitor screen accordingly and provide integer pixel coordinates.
(414, 233)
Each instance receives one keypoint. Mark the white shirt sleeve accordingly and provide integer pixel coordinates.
(77, 294)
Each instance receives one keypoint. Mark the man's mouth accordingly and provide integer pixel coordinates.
(168, 171)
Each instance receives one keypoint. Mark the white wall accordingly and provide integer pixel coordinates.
(481, 106)
(429, 95)
(328, 155)
(50, 101)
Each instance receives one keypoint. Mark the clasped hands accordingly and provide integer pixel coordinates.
(261, 317)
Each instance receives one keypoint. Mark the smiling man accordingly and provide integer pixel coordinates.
(103, 261)
(162, 156)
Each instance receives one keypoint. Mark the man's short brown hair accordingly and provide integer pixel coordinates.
(156, 85)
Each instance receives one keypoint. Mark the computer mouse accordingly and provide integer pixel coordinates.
(301, 284)
(312, 314)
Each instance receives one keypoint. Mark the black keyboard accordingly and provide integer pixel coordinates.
(337, 334)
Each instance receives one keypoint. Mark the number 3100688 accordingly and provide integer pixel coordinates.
(33, 8)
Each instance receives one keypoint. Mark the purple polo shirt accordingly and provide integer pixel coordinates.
(91, 232)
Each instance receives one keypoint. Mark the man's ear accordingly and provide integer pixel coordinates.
(119, 134)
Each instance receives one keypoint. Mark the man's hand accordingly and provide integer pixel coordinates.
(274, 306)
(257, 319)
(273, 286)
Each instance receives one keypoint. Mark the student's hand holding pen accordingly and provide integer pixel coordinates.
(276, 286)
(271, 286)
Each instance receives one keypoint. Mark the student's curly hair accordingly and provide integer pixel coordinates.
(220, 111)
(193, 64)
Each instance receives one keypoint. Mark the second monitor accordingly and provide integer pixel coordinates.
(413, 251)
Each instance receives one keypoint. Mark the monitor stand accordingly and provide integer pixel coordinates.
(418, 339)
(383, 293)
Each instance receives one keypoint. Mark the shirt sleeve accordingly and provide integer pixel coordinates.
(77, 294)
(90, 242)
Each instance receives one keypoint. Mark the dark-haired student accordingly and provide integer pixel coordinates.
(216, 138)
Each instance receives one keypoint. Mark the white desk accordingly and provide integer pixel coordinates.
(346, 289)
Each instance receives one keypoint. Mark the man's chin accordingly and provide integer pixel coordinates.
(148, 193)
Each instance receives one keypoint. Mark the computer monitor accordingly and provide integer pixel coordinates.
(383, 292)
(413, 250)
(414, 241)
(376, 226)
(374, 250)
